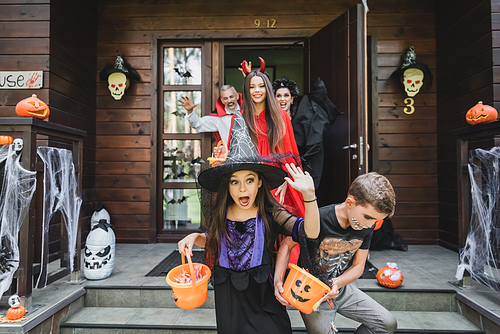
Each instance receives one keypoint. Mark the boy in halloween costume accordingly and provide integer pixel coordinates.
(218, 121)
(337, 257)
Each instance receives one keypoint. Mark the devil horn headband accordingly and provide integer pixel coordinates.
(247, 71)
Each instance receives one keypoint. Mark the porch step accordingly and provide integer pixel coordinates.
(144, 309)
(107, 320)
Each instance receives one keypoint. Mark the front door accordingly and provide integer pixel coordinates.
(337, 55)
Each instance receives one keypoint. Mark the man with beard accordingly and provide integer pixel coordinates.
(218, 121)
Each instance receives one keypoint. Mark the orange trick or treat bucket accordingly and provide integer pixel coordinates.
(189, 283)
(302, 290)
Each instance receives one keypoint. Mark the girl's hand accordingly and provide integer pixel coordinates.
(302, 182)
(187, 242)
(281, 191)
(278, 290)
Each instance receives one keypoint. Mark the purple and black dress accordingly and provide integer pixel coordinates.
(244, 290)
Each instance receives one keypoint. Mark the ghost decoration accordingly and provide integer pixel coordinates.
(99, 213)
(99, 257)
(413, 75)
(118, 77)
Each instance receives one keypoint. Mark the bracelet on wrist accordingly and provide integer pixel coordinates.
(315, 198)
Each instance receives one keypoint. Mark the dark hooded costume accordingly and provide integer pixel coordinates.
(316, 113)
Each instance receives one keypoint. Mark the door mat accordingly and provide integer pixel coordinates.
(173, 260)
(370, 271)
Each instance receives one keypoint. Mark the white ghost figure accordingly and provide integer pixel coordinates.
(14, 301)
(118, 82)
(99, 258)
(413, 79)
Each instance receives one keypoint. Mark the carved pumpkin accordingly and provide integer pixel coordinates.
(302, 290)
(390, 276)
(32, 107)
(6, 140)
(16, 310)
(481, 113)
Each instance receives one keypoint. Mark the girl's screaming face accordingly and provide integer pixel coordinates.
(243, 188)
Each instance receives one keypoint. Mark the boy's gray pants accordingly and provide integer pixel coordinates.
(354, 304)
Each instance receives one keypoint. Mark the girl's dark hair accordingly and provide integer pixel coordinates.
(285, 82)
(274, 118)
(217, 221)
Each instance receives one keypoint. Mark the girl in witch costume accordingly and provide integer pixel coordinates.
(270, 128)
(243, 222)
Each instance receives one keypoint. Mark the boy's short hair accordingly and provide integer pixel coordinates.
(376, 190)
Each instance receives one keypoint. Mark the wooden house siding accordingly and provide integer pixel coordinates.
(407, 143)
(467, 66)
(59, 38)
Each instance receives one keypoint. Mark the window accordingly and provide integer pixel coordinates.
(182, 75)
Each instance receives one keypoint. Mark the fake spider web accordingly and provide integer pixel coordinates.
(480, 256)
(18, 187)
(60, 194)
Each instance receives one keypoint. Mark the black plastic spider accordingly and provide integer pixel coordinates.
(4, 260)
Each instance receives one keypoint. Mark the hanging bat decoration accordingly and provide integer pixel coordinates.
(198, 160)
(179, 113)
(182, 73)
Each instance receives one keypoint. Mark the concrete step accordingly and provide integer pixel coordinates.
(127, 320)
(436, 300)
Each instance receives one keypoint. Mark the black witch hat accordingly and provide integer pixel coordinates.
(120, 66)
(242, 156)
(410, 61)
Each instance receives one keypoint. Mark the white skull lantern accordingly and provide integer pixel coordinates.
(118, 82)
(99, 258)
(14, 301)
(413, 79)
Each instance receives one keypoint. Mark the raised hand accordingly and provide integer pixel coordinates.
(185, 102)
(300, 181)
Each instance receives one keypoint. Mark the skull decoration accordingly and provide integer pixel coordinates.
(118, 82)
(99, 213)
(99, 251)
(411, 74)
(14, 301)
(118, 77)
(413, 79)
(18, 145)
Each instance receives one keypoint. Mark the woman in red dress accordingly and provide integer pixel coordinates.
(270, 129)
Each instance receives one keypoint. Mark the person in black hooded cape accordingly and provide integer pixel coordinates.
(315, 114)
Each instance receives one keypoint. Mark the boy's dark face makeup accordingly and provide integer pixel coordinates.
(243, 188)
(361, 217)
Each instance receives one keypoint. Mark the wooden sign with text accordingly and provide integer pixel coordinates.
(21, 79)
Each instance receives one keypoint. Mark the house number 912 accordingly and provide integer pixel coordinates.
(269, 24)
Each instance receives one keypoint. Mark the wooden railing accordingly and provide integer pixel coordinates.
(34, 133)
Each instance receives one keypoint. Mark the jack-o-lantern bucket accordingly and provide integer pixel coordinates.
(192, 294)
(302, 290)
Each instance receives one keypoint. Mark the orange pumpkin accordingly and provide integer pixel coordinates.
(390, 276)
(15, 313)
(32, 107)
(481, 113)
(6, 140)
